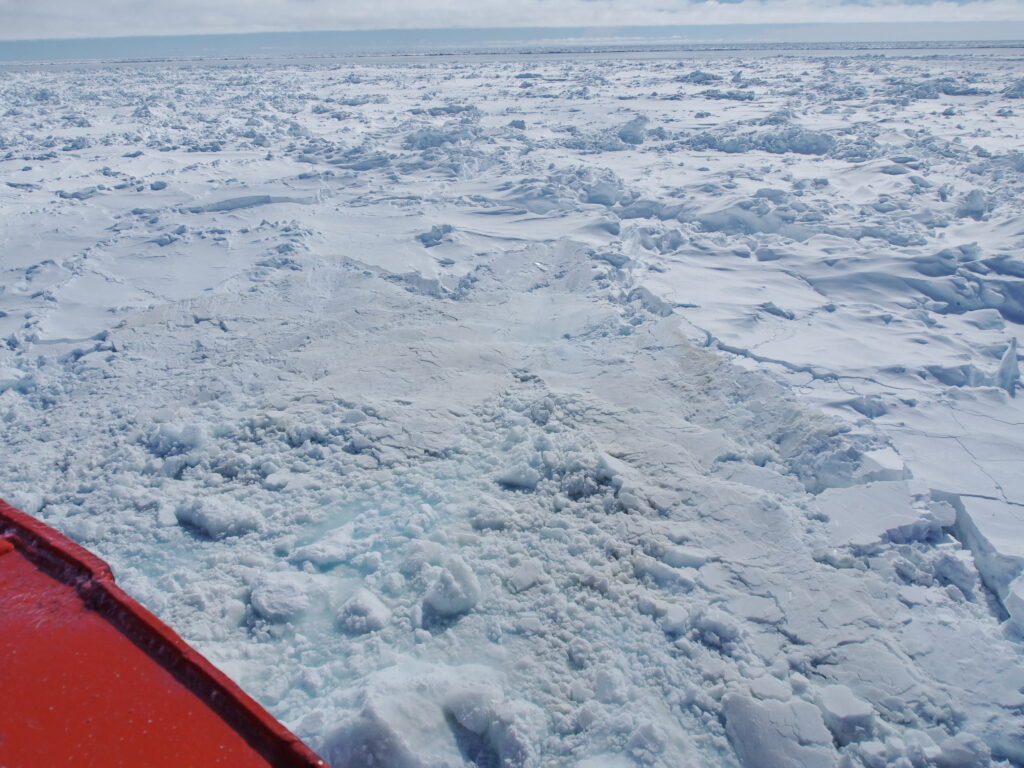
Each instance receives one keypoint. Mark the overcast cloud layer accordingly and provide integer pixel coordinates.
(37, 19)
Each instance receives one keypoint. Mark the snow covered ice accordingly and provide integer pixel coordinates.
(542, 411)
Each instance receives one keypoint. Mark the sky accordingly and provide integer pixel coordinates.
(42, 19)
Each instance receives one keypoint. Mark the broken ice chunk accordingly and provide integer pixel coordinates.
(521, 477)
(218, 517)
(862, 515)
(849, 718)
(684, 557)
(408, 731)
(337, 547)
(507, 729)
(414, 716)
(776, 734)
(490, 513)
(1014, 603)
(991, 530)
(9, 377)
(661, 573)
(281, 597)
(1008, 375)
(769, 687)
(965, 750)
(455, 591)
(525, 575)
(633, 131)
(882, 464)
(362, 613)
(676, 621)
(437, 235)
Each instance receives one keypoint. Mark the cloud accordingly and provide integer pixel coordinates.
(34, 19)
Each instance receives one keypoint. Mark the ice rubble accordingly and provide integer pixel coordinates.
(536, 417)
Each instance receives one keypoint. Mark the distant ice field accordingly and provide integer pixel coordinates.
(602, 409)
(662, 41)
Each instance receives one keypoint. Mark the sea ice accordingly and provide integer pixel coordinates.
(542, 411)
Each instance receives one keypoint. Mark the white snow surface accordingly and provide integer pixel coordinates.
(555, 412)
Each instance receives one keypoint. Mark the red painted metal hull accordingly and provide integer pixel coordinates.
(89, 677)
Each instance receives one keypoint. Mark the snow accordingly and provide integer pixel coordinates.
(662, 412)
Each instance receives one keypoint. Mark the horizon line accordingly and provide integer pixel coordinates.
(579, 28)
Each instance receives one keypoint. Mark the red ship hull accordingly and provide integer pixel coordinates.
(91, 678)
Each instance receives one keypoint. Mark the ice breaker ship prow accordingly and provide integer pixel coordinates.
(91, 675)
